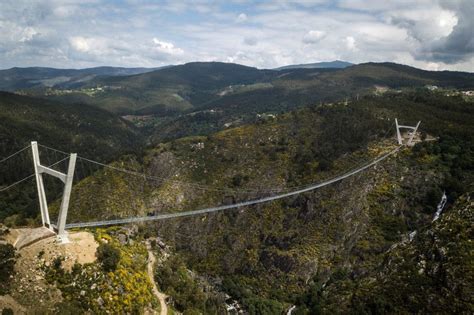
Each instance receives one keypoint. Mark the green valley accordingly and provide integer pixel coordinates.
(320, 250)
(343, 248)
(243, 157)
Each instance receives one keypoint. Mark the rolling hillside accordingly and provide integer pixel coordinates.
(318, 65)
(80, 128)
(239, 90)
(74, 127)
(320, 250)
(40, 77)
(168, 91)
(301, 87)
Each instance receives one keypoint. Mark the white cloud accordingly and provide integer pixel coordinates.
(313, 36)
(432, 34)
(65, 11)
(80, 43)
(350, 43)
(425, 24)
(275, 5)
(28, 34)
(166, 47)
(382, 6)
(242, 17)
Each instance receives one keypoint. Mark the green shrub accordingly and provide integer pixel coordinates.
(188, 296)
(108, 256)
(57, 262)
(7, 311)
(239, 179)
(68, 308)
(263, 306)
(7, 264)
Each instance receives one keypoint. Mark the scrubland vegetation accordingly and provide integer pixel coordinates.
(365, 245)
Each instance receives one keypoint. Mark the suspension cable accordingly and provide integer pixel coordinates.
(195, 185)
(29, 176)
(53, 149)
(236, 205)
(18, 182)
(14, 154)
(161, 179)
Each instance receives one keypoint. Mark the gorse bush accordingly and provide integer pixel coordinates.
(108, 256)
(91, 289)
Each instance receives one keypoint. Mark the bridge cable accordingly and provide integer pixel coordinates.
(163, 180)
(195, 185)
(200, 186)
(14, 154)
(56, 150)
(18, 182)
(28, 177)
(232, 206)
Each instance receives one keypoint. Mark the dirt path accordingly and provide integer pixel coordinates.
(6, 301)
(158, 294)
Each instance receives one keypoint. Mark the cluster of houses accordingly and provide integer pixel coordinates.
(450, 93)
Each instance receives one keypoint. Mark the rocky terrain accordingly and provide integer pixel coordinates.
(345, 248)
(70, 278)
(323, 251)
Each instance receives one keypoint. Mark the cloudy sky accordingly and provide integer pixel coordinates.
(429, 34)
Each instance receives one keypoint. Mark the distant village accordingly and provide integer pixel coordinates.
(450, 92)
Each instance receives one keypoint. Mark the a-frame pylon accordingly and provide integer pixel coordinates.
(399, 135)
(67, 179)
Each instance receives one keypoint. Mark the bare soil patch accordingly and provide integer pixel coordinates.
(30, 290)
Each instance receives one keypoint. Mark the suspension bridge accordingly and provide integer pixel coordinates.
(67, 179)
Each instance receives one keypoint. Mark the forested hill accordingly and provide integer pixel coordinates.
(318, 65)
(397, 74)
(87, 130)
(206, 85)
(80, 128)
(41, 77)
(320, 250)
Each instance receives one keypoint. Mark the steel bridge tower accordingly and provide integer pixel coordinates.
(399, 135)
(67, 179)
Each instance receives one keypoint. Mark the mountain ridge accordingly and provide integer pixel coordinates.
(199, 85)
(338, 64)
(36, 77)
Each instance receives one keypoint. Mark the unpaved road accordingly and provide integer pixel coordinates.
(151, 262)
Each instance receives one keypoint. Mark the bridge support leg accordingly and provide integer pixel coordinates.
(399, 136)
(413, 133)
(40, 186)
(62, 234)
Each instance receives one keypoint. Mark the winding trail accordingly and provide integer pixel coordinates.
(151, 262)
